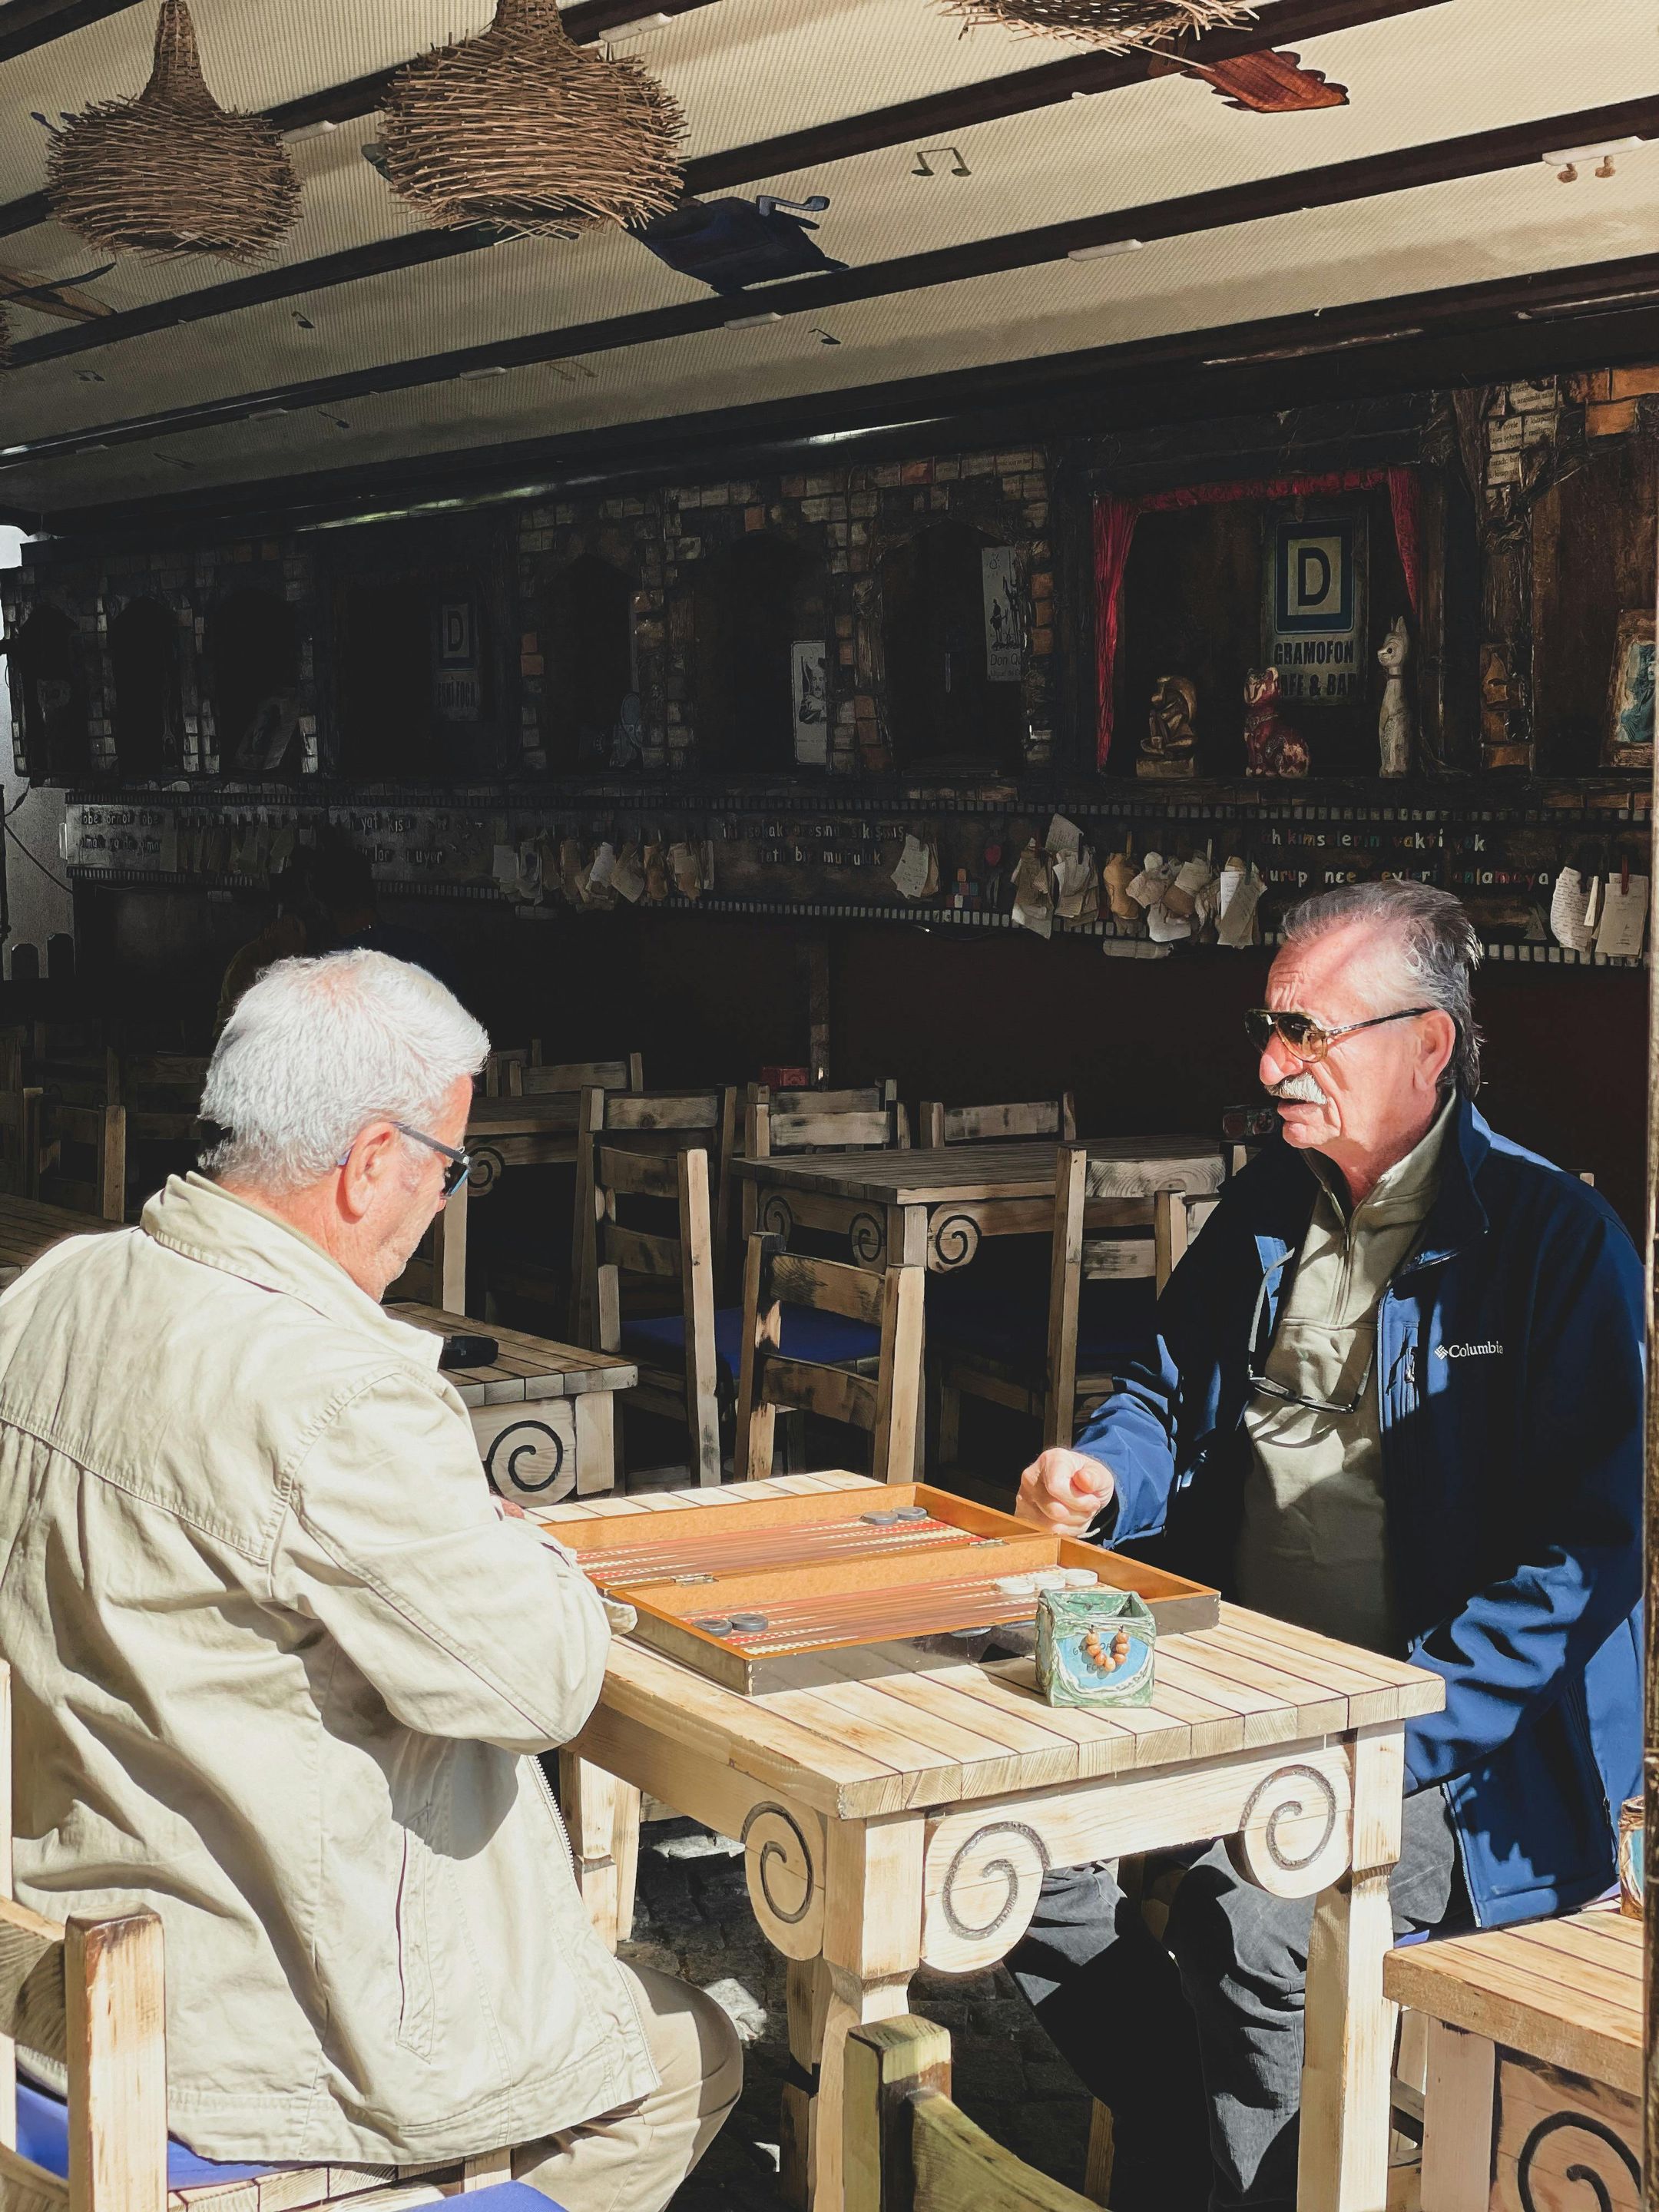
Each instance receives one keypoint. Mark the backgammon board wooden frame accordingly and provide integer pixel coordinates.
(821, 1574)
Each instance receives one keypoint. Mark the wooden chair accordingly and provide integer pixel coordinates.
(20, 1132)
(531, 1079)
(815, 1122)
(943, 1125)
(884, 1308)
(1083, 1362)
(683, 1387)
(161, 1095)
(497, 1063)
(80, 1111)
(89, 1994)
(1041, 1348)
(907, 2148)
(647, 1121)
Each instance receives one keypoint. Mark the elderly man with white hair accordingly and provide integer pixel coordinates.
(1396, 1397)
(282, 1666)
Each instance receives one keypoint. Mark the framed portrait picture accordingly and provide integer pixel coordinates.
(1629, 740)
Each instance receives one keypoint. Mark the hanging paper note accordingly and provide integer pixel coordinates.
(1624, 918)
(628, 877)
(916, 865)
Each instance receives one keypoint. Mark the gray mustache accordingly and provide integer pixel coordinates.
(1299, 1090)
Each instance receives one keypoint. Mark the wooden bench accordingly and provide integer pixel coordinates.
(1533, 2085)
(88, 1994)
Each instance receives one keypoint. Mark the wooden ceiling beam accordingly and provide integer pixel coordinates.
(1596, 314)
(934, 115)
(1339, 184)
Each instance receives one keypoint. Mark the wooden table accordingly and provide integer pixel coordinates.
(28, 1228)
(934, 1207)
(1532, 2098)
(543, 1412)
(896, 1816)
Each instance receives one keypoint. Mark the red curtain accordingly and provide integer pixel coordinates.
(1115, 532)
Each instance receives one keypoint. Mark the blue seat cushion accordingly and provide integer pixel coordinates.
(826, 1338)
(1117, 1324)
(43, 2139)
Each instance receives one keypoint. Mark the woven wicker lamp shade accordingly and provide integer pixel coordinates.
(171, 172)
(1106, 22)
(521, 128)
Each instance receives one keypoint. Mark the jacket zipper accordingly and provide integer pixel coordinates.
(627, 1980)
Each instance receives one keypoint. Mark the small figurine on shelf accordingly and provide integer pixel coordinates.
(1168, 746)
(1273, 746)
(1396, 724)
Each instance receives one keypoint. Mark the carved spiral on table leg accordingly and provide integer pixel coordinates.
(868, 1238)
(774, 1217)
(780, 1864)
(485, 1172)
(1293, 1834)
(1585, 2177)
(529, 1459)
(981, 1894)
(952, 1240)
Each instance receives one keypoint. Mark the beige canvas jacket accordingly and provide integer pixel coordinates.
(279, 1666)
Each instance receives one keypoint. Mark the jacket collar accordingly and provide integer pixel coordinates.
(1456, 1218)
(203, 1222)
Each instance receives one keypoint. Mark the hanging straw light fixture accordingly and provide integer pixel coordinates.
(1118, 23)
(170, 172)
(521, 128)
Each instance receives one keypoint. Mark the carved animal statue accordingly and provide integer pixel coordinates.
(1272, 746)
(1396, 725)
(1169, 747)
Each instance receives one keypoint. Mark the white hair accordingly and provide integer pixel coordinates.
(1434, 940)
(317, 1049)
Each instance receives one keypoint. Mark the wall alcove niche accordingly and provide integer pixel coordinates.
(590, 667)
(754, 598)
(47, 685)
(252, 647)
(942, 708)
(383, 681)
(148, 718)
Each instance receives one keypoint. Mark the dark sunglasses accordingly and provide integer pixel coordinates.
(1305, 1036)
(461, 1163)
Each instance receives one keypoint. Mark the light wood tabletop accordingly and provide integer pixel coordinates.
(934, 1208)
(899, 1810)
(28, 1228)
(1531, 2063)
(543, 1412)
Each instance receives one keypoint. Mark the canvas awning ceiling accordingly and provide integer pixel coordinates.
(370, 339)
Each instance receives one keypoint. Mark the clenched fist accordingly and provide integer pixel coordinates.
(1063, 1491)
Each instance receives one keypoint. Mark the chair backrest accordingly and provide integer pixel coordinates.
(89, 1993)
(976, 1125)
(531, 1079)
(644, 1122)
(907, 2148)
(627, 1256)
(19, 1118)
(1137, 1238)
(79, 1104)
(886, 1407)
(161, 1094)
(798, 1123)
(505, 1057)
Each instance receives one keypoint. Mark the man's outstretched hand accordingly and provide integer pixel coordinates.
(1063, 1491)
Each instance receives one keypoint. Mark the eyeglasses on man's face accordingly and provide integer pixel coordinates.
(1305, 1036)
(461, 1163)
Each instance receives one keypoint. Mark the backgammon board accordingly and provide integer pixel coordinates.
(738, 1592)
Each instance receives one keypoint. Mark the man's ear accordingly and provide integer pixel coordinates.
(366, 1168)
(1439, 1043)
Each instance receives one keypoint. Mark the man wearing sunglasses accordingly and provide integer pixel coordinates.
(1396, 1398)
(282, 1670)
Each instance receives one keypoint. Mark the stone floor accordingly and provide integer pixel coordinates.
(693, 1917)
